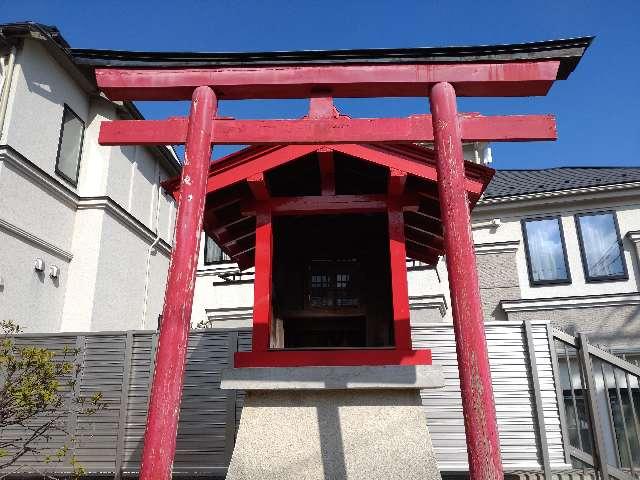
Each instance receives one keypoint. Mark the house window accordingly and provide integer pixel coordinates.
(601, 247)
(70, 146)
(213, 253)
(545, 250)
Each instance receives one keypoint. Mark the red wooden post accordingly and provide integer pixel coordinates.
(399, 289)
(483, 443)
(164, 405)
(262, 283)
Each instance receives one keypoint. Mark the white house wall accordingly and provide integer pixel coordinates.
(106, 224)
(29, 203)
(510, 230)
(118, 300)
(610, 310)
(29, 297)
(39, 90)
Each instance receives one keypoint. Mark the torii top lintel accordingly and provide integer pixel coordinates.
(499, 70)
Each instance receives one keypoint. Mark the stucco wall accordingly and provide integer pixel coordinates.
(613, 326)
(32, 206)
(29, 297)
(120, 278)
(105, 224)
(78, 306)
(39, 90)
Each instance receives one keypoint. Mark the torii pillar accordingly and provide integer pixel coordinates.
(483, 442)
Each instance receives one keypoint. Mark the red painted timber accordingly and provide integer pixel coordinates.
(483, 443)
(400, 161)
(258, 187)
(327, 205)
(418, 128)
(262, 284)
(327, 172)
(164, 405)
(399, 287)
(382, 80)
(316, 358)
(222, 176)
(397, 182)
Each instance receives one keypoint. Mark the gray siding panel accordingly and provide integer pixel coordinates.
(513, 395)
(102, 371)
(205, 439)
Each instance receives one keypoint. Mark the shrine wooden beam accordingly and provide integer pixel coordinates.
(398, 269)
(421, 256)
(426, 223)
(360, 356)
(527, 78)
(397, 182)
(225, 202)
(262, 284)
(258, 187)
(417, 128)
(327, 172)
(322, 205)
(222, 226)
(401, 161)
(242, 236)
(224, 175)
(435, 238)
(417, 245)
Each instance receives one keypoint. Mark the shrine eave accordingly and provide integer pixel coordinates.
(567, 51)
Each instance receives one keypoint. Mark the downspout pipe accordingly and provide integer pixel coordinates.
(6, 89)
(151, 248)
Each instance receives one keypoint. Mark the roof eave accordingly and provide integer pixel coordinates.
(567, 51)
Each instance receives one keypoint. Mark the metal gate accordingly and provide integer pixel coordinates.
(601, 396)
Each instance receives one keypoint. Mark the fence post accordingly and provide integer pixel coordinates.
(600, 453)
(555, 367)
(537, 397)
(230, 404)
(124, 396)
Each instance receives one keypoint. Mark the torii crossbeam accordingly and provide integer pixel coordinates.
(440, 74)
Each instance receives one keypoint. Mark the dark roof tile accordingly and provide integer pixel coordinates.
(507, 183)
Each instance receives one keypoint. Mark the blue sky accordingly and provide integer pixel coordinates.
(597, 108)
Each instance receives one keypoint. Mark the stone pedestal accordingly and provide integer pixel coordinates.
(333, 423)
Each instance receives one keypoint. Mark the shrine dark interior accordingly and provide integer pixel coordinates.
(331, 282)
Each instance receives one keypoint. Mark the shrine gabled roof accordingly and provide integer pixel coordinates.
(290, 172)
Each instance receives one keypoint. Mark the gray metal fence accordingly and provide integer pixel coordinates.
(601, 397)
(121, 366)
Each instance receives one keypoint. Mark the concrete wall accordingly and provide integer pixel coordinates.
(101, 230)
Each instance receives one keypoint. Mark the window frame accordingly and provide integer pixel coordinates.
(215, 262)
(536, 283)
(583, 255)
(59, 172)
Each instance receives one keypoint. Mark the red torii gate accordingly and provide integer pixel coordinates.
(441, 82)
